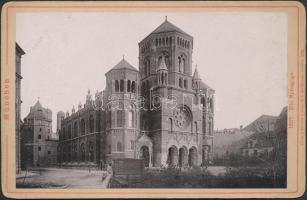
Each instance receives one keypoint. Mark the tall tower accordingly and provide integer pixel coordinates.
(60, 116)
(122, 115)
(175, 46)
(165, 59)
(19, 54)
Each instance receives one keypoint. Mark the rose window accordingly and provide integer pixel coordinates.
(181, 117)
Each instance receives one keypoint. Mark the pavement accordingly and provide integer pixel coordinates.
(63, 178)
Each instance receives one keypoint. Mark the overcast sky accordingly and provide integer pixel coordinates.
(243, 56)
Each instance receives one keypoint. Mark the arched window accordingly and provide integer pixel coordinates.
(109, 149)
(211, 104)
(159, 41)
(163, 41)
(69, 154)
(82, 127)
(121, 85)
(170, 128)
(177, 41)
(119, 116)
(143, 87)
(131, 144)
(128, 85)
(75, 129)
(91, 124)
(180, 64)
(91, 152)
(119, 147)
(156, 42)
(75, 155)
(64, 133)
(183, 65)
(69, 132)
(82, 152)
(203, 101)
(170, 41)
(147, 66)
(130, 119)
(133, 87)
(210, 128)
(195, 127)
(116, 86)
(185, 84)
(167, 41)
(162, 79)
(109, 119)
(147, 85)
(180, 82)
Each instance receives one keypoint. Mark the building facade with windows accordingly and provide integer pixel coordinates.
(162, 113)
(38, 142)
(19, 54)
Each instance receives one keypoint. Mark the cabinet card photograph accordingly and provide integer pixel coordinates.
(153, 99)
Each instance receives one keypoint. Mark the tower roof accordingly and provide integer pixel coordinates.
(196, 75)
(37, 105)
(162, 65)
(123, 64)
(167, 26)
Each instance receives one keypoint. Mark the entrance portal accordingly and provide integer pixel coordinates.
(172, 158)
(183, 156)
(193, 156)
(144, 154)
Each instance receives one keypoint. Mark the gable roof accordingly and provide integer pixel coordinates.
(123, 64)
(167, 26)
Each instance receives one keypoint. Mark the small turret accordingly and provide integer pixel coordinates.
(162, 73)
(79, 106)
(73, 110)
(196, 80)
(60, 117)
(89, 100)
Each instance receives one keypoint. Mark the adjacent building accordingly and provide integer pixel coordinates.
(19, 52)
(38, 142)
(161, 112)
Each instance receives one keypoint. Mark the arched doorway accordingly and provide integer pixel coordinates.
(183, 156)
(172, 158)
(193, 156)
(144, 154)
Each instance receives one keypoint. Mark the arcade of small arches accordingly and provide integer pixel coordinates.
(204, 100)
(77, 153)
(119, 86)
(163, 78)
(79, 127)
(182, 156)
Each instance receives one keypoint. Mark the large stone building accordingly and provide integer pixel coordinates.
(160, 113)
(19, 52)
(38, 142)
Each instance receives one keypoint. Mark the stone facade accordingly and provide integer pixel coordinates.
(19, 53)
(161, 113)
(38, 142)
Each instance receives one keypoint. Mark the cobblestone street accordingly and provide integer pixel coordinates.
(61, 178)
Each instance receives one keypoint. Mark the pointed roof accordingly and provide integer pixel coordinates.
(166, 26)
(162, 65)
(37, 105)
(123, 64)
(196, 75)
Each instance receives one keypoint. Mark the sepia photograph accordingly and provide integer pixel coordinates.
(154, 99)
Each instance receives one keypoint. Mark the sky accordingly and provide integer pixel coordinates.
(241, 55)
